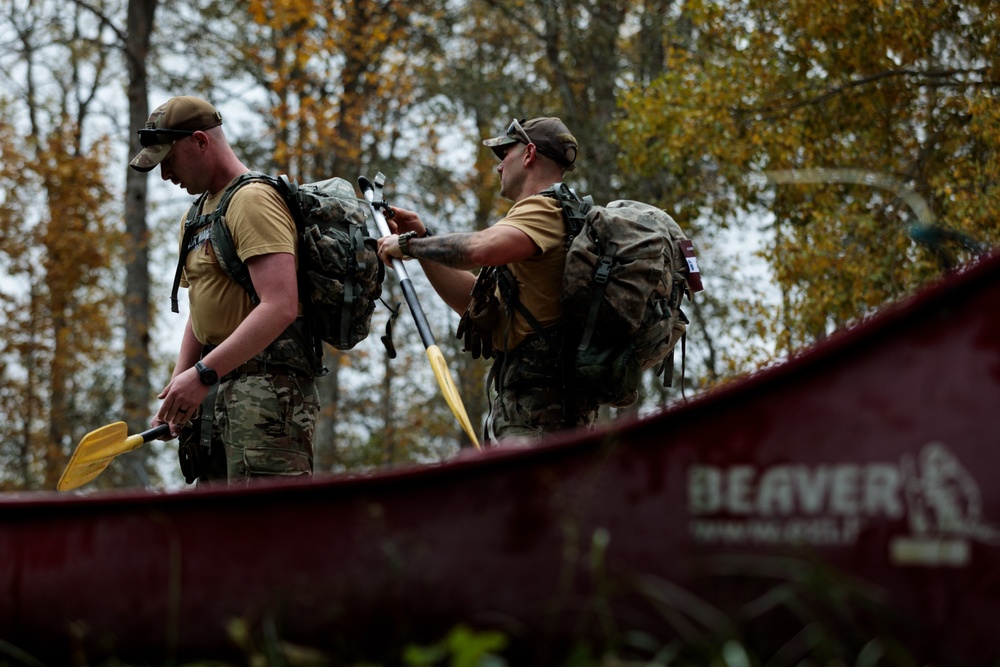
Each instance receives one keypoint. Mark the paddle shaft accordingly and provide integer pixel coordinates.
(409, 293)
(434, 355)
(418, 314)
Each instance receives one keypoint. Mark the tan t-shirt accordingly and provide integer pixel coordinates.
(539, 278)
(260, 224)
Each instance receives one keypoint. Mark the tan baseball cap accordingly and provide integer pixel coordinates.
(550, 136)
(175, 119)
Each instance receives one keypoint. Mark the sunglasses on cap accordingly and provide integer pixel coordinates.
(149, 137)
(516, 132)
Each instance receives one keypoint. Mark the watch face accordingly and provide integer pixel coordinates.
(207, 375)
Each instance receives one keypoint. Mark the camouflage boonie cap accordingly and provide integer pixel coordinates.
(550, 135)
(178, 113)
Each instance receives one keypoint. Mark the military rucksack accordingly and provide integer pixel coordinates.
(628, 267)
(340, 275)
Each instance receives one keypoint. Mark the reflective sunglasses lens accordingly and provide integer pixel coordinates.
(515, 131)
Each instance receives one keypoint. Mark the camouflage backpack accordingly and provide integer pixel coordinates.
(628, 267)
(340, 275)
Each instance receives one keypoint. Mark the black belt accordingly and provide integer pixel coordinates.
(253, 367)
(257, 367)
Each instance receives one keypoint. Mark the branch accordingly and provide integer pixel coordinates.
(864, 81)
(105, 21)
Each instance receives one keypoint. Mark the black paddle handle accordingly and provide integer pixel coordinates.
(155, 433)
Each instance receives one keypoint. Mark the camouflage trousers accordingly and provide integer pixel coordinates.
(263, 426)
(529, 397)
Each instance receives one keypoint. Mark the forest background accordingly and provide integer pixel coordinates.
(827, 159)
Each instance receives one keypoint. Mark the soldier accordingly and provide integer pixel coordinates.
(258, 402)
(522, 258)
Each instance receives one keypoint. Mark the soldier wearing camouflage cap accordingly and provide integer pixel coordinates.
(520, 259)
(180, 117)
(240, 410)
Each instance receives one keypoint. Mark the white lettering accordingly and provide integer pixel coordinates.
(812, 488)
(704, 490)
(815, 532)
(846, 489)
(740, 488)
(829, 504)
(851, 529)
(883, 491)
(774, 495)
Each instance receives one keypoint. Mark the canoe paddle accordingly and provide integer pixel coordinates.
(98, 448)
(438, 364)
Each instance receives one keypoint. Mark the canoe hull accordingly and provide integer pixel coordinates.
(870, 457)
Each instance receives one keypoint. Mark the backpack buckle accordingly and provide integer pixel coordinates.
(604, 264)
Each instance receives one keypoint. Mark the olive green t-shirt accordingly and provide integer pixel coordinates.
(539, 278)
(260, 224)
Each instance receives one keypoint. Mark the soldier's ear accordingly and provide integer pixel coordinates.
(530, 153)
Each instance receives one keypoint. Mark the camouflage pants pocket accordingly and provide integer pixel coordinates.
(275, 461)
(530, 396)
(524, 414)
(267, 423)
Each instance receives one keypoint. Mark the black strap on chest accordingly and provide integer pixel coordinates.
(190, 225)
(510, 297)
(198, 229)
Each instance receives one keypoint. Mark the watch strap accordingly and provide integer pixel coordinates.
(404, 244)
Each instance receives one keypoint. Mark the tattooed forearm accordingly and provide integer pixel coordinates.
(448, 249)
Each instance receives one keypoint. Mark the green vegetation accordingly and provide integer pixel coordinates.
(779, 612)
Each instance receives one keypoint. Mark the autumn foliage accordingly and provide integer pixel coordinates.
(853, 147)
(863, 135)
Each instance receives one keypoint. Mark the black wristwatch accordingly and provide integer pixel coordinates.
(207, 375)
(404, 244)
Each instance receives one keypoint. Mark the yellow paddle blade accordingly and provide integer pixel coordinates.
(95, 452)
(450, 392)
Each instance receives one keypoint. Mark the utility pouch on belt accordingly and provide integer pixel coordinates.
(609, 374)
(195, 449)
(192, 455)
(481, 317)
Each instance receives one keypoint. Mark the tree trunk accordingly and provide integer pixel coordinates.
(138, 312)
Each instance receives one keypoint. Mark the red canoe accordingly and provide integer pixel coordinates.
(868, 462)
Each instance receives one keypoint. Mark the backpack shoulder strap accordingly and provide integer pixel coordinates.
(189, 227)
(575, 211)
(221, 239)
(574, 208)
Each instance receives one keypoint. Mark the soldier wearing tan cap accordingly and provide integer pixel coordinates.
(257, 409)
(528, 396)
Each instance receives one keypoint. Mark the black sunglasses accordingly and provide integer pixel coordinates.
(149, 137)
(515, 131)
